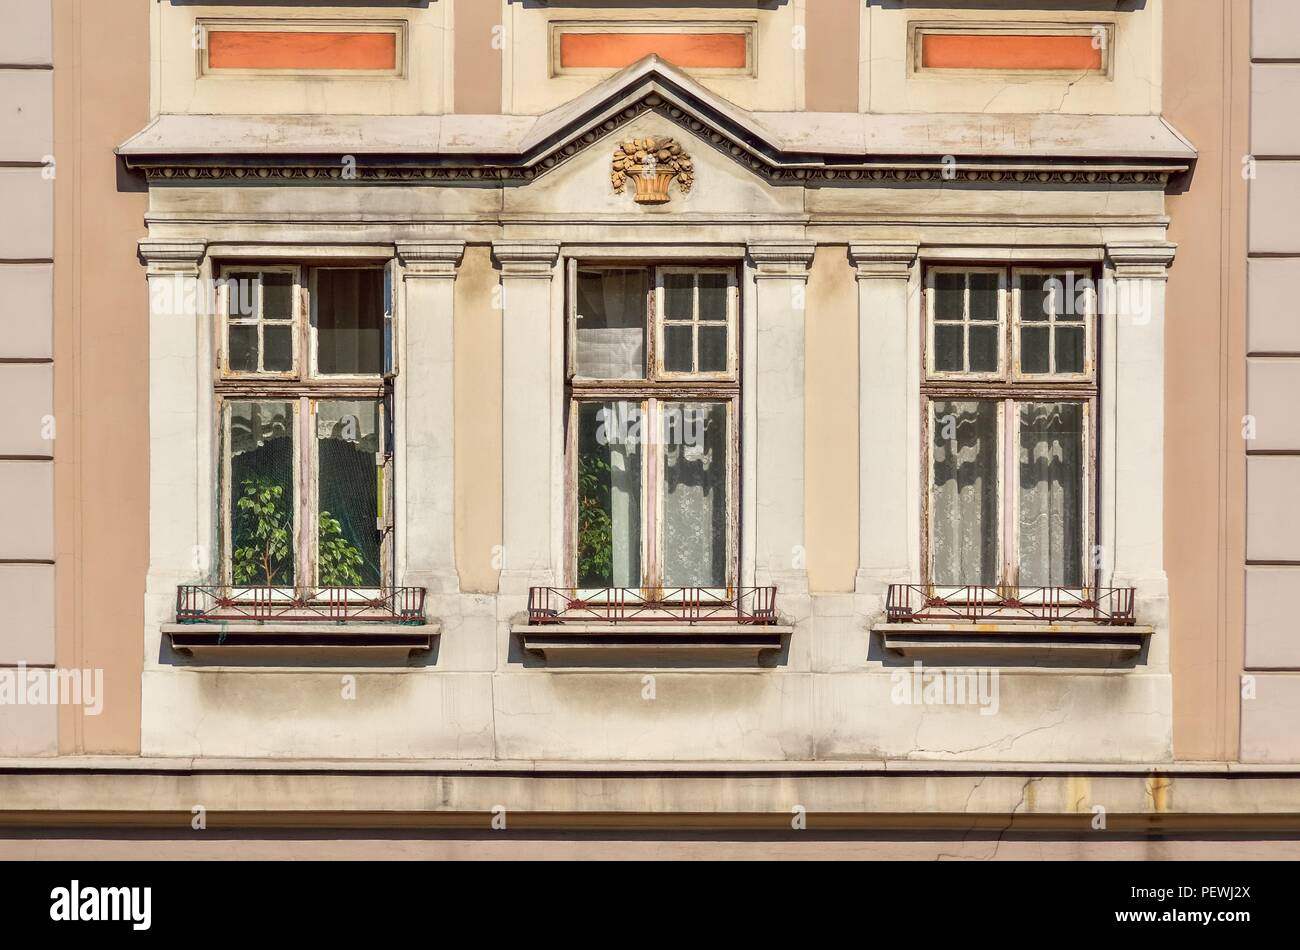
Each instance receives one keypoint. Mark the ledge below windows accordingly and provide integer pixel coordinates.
(1012, 638)
(622, 624)
(299, 640)
(597, 640)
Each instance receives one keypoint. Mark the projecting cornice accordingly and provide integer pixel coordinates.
(789, 148)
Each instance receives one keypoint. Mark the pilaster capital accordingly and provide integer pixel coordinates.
(1137, 260)
(883, 260)
(788, 259)
(535, 259)
(430, 259)
(172, 258)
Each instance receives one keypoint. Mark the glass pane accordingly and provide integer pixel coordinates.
(679, 296)
(1035, 298)
(1071, 291)
(278, 291)
(609, 494)
(713, 349)
(241, 296)
(609, 337)
(677, 341)
(1034, 342)
(243, 348)
(983, 296)
(278, 339)
(983, 349)
(261, 493)
(348, 538)
(713, 296)
(964, 509)
(349, 313)
(695, 494)
(1051, 494)
(948, 348)
(1069, 349)
(949, 289)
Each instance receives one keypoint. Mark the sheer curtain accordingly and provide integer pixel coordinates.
(964, 512)
(610, 334)
(695, 494)
(1051, 494)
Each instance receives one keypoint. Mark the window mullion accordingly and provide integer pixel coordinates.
(304, 495)
(1010, 494)
(653, 536)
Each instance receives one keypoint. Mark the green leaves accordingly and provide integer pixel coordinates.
(339, 557)
(595, 526)
(263, 532)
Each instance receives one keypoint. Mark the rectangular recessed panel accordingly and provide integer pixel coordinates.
(688, 50)
(305, 51)
(1001, 51)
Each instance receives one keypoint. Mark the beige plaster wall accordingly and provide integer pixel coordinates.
(831, 374)
(101, 345)
(478, 421)
(1204, 59)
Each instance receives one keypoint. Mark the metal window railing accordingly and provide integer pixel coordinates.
(741, 605)
(197, 603)
(908, 603)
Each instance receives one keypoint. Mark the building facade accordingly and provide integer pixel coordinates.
(748, 416)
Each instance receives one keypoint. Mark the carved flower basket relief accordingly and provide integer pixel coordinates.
(651, 164)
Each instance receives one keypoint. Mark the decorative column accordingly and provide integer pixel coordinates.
(425, 457)
(885, 401)
(781, 282)
(530, 415)
(181, 436)
(1133, 417)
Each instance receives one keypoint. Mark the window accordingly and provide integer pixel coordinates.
(303, 395)
(653, 374)
(1010, 402)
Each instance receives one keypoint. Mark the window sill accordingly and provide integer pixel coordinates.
(300, 639)
(1014, 639)
(650, 639)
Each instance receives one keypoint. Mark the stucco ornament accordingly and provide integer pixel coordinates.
(652, 164)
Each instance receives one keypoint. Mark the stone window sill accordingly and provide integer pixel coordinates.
(300, 639)
(653, 639)
(1056, 640)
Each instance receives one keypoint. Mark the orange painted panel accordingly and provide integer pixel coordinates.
(688, 50)
(235, 49)
(1001, 51)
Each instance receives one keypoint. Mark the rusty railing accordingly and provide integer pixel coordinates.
(743, 605)
(907, 603)
(197, 603)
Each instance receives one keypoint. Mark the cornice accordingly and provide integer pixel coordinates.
(763, 161)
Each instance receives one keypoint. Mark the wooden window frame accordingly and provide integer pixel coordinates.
(651, 393)
(304, 389)
(1009, 390)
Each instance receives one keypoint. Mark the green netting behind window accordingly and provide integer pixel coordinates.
(347, 440)
(261, 493)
